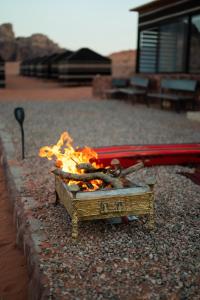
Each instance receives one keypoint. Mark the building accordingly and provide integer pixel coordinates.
(169, 37)
(82, 66)
(56, 62)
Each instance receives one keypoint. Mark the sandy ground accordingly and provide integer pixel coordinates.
(25, 88)
(111, 262)
(13, 274)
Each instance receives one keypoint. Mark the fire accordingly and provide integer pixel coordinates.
(67, 158)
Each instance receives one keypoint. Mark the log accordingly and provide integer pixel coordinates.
(114, 182)
(89, 185)
(127, 183)
(116, 168)
(132, 169)
(88, 168)
(151, 181)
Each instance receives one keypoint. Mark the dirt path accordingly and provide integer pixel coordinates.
(28, 88)
(13, 271)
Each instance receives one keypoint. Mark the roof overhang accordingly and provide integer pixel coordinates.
(150, 6)
(159, 11)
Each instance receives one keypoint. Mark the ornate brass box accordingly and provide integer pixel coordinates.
(103, 204)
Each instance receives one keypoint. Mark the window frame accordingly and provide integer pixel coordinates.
(186, 66)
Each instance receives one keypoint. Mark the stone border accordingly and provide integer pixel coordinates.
(29, 229)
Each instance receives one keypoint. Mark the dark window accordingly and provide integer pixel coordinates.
(172, 47)
(163, 49)
(148, 50)
(195, 44)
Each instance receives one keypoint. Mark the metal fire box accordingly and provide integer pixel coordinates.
(105, 204)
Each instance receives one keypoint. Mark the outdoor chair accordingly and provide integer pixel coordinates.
(137, 88)
(117, 85)
(177, 91)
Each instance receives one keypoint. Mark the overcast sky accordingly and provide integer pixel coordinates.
(104, 25)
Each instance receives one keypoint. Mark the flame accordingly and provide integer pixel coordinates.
(67, 158)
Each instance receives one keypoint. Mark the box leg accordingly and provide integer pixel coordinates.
(57, 199)
(151, 222)
(151, 219)
(74, 226)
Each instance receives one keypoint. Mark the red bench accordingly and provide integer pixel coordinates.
(151, 155)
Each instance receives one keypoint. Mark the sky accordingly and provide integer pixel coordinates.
(105, 26)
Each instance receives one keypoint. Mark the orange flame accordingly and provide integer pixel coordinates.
(67, 158)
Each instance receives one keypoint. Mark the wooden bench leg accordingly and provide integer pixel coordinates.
(178, 106)
(146, 99)
(193, 105)
(161, 104)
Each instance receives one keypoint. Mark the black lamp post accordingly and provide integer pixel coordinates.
(20, 116)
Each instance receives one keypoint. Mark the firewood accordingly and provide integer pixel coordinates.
(114, 182)
(126, 182)
(88, 168)
(151, 181)
(116, 168)
(89, 185)
(132, 169)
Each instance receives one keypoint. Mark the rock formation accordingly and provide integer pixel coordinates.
(19, 48)
(123, 63)
(7, 42)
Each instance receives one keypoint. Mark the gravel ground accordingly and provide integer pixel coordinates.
(114, 261)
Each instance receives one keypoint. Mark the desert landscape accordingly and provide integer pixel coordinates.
(59, 268)
(25, 88)
(99, 164)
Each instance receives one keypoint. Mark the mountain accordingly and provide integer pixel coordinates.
(19, 48)
(123, 63)
(7, 42)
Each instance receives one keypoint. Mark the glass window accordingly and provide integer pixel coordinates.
(172, 46)
(195, 45)
(164, 49)
(148, 51)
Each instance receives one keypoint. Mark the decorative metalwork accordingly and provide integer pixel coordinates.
(103, 206)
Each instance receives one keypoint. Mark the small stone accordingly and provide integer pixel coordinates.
(126, 259)
(103, 276)
(99, 269)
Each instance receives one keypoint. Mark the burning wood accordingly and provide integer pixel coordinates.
(94, 173)
(88, 168)
(113, 194)
(75, 166)
(132, 169)
(114, 182)
(116, 168)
